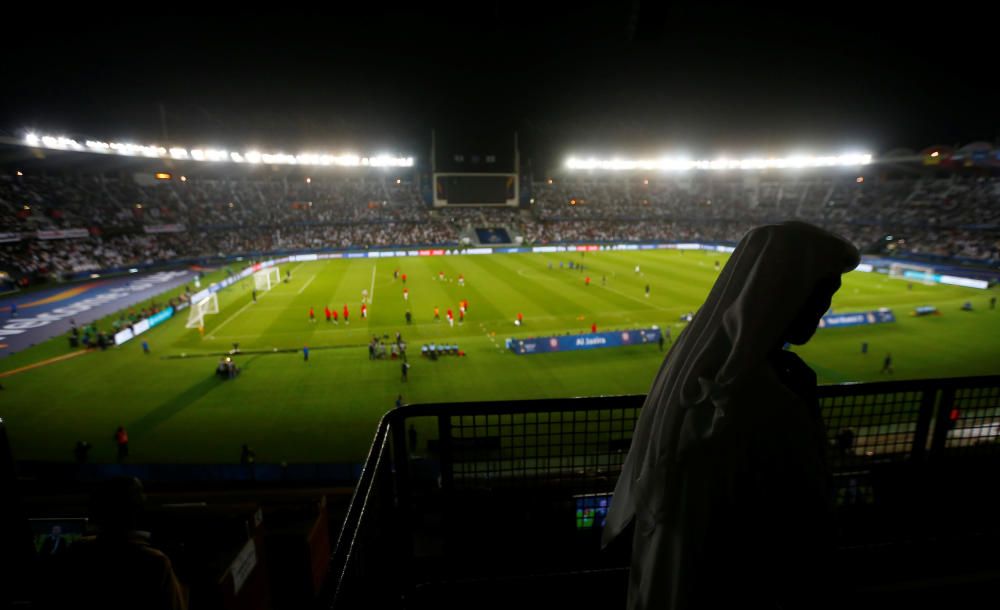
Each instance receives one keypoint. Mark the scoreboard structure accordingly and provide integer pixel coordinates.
(475, 167)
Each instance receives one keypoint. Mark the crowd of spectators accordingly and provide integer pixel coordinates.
(954, 216)
(45, 202)
(129, 222)
(952, 201)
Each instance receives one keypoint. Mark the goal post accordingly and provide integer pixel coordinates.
(912, 273)
(204, 307)
(266, 279)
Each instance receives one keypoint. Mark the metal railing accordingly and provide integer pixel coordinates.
(453, 492)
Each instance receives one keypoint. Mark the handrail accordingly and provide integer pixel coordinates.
(347, 537)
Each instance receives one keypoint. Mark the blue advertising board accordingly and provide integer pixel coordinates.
(569, 343)
(840, 320)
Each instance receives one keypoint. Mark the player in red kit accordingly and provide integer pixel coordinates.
(334, 312)
(347, 314)
(312, 315)
(586, 280)
(451, 318)
(326, 310)
(404, 278)
(593, 327)
(364, 311)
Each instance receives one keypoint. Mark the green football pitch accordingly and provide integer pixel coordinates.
(326, 409)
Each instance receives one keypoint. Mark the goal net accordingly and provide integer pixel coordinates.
(266, 279)
(912, 273)
(198, 311)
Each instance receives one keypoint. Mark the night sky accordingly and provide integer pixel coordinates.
(628, 77)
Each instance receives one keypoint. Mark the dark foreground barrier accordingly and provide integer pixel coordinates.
(485, 504)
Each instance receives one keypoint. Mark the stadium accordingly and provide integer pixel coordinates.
(327, 239)
(378, 365)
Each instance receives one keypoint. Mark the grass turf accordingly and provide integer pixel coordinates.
(325, 410)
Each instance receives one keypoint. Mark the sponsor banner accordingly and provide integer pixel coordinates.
(140, 327)
(952, 280)
(168, 228)
(301, 258)
(864, 268)
(160, 317)
(922, 276)
(839, 320)
(6, 238)
(479, 251)
(63, 234)
(201, 295)
(569, 343)
(963, 281)
(544, 249)
(587, 248)
(143, 325)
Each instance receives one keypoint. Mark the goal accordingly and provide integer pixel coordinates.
(208, 305)
(266, 279)
(912, 273)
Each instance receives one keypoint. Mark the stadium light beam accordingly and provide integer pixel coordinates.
(212, 155)
(675, 164)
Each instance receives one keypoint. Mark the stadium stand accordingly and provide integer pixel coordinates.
(954, 216)
(99, 220)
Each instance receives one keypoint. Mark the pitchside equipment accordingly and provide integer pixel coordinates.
(208, 305)
(912, 273)
(266, 279)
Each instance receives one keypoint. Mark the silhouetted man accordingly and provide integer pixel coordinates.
(118, 568)
(726, 480)
(54, 544)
